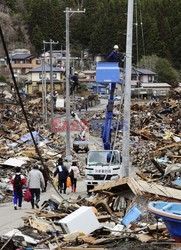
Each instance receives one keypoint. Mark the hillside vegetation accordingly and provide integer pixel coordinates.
(28, 22)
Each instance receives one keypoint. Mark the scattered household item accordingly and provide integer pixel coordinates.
(132, 215)
(177, 182)
(81, 220)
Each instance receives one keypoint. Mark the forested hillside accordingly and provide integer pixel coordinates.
(102, 26)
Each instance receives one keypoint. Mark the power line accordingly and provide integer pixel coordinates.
(137, 41)
(142, 32)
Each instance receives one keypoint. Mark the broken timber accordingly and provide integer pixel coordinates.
(140, 188)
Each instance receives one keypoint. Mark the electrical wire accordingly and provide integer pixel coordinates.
(142, 33)
(24, 113)
(137, 41)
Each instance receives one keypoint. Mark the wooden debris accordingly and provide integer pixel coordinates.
(40, 225)
(144, 237)
(141, 188)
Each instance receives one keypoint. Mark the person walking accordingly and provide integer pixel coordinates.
(73, 174)
(86, 105)
(62, 172)
(79, 110)
(46, 177)
(18, 181)
(35, 181)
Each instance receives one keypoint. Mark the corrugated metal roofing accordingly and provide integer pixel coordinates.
(155, 85)
(20, 56)
(141, 71)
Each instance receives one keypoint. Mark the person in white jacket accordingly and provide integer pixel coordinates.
(35, 181)
(74, 174)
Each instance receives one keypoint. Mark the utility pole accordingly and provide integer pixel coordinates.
(68, 14)
(43, 94)
(127, 99)
(51, 85)
(51, 81)
(44, 105)
(45, 85)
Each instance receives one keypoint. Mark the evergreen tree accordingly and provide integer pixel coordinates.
(37, 38)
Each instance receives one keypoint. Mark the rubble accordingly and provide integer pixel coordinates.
(52, 222)
(155, 152)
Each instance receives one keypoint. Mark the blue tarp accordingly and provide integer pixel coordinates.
(27, 137)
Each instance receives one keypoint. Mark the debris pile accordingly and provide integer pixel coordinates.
(115, 215)
(16, 146)
(155, 135)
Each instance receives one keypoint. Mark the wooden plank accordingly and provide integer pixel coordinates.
(144, 237)
(109, 185)
(176, 144)
(51, 215)
(40, 225)
(154, 227)
(157, 165)
(134, 185)
(103, 218)
(159, 190)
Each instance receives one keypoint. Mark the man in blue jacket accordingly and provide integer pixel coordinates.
(62, 175)
(114, 56)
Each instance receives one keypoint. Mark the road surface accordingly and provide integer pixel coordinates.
(10, 218)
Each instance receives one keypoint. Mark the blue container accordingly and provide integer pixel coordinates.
(107, 72)
(132, 215)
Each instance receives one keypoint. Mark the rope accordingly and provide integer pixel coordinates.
(24, 113)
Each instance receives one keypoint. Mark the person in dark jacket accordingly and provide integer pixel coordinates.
(114, 56)
(62, 175)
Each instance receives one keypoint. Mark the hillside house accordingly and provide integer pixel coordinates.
(22, 63)
(34, 82)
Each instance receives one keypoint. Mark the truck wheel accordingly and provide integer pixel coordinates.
(86, 149)
(89, 187)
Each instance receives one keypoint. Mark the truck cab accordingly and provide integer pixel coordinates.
(102, 166)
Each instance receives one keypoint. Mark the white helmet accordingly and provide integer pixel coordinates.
(116, 47)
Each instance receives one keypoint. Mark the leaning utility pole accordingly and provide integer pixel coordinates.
(127, 98)
(68, 14)
(51, 81)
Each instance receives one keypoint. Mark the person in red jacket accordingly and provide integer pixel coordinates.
(18, 181)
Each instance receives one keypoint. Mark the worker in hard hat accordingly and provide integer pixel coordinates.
(114, 56)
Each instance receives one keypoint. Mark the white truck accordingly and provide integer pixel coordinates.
(102, 166)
